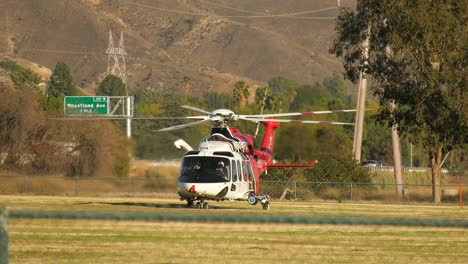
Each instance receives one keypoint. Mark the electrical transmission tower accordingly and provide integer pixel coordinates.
(117, 56)
(118, 68)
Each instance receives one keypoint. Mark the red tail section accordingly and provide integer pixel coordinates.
(268, 141)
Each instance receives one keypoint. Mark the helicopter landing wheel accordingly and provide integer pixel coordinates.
(266, 205)
(252, 200)
(205, 205)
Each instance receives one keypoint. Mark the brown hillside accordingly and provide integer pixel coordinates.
(215, 42)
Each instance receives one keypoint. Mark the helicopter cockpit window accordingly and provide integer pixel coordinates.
(205, 170)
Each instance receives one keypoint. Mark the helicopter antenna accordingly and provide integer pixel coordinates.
(261, 111)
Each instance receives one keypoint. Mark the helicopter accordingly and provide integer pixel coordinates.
(227, 165)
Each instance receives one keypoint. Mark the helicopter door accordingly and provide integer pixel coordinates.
(246, 171)
(251, 177)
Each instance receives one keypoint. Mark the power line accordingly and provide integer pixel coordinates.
(293, 15)
(163, 9)
(287, 15)
(232, 8)
(62, 51)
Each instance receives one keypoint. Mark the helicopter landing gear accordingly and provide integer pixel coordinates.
(202, 204)
(252, 200)
(262, 198)
(189, 203)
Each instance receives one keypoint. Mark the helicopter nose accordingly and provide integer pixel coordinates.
(204, 189)
(189, 188)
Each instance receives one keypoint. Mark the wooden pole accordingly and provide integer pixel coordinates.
(396, 157)
(460, 193)
(3, 236)
(361, 104)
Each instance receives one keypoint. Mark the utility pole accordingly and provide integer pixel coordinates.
(118, 68)
(361, 101)
(411, 155)
(396, 156)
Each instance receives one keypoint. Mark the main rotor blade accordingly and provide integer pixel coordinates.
(124, 117)
(298, 121)
(300, 113)
(196, 109)
(185, 125)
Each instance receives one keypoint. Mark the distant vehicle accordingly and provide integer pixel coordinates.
(371, 164)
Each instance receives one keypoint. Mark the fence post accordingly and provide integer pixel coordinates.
(77, 187)
(3, 236)
(351, 191)
(295, 191)
(26, 184)
(133, 187)
(460, 194)
(404, 193)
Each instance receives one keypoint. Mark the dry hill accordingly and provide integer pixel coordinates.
(215, 42)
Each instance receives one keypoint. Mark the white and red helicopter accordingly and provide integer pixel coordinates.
(227, 165)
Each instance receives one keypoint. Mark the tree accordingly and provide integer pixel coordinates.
(417, 59)
(215, 100)
(112, 86)
(153, 102)
(32, 144)
(61, 82)
(241, 93)
(186, 85)
(283, 93)
(99, 149)
(19, 75)
(20, 122)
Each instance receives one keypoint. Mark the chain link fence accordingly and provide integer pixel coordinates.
(280, 190)
(349, 191)
(85, 186)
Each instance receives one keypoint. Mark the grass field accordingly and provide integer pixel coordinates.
(104, 241)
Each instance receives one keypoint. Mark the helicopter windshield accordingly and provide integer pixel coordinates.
(205, 170)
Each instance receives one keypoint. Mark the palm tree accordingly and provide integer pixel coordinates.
(241, 93)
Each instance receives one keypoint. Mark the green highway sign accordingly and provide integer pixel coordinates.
(86, 105)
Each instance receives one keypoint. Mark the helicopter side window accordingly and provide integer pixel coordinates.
(245, 170)
(251, 177)
(234, 171)
(239, 175)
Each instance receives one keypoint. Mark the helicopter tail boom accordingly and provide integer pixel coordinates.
(268, 141)
(293, 165)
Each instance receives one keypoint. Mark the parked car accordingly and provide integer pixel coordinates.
(371, 164)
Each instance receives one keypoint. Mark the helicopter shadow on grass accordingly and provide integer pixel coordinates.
(160, 205)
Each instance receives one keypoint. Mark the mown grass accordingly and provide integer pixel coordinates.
(79, 241)
(290, 208)
(102, 241)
